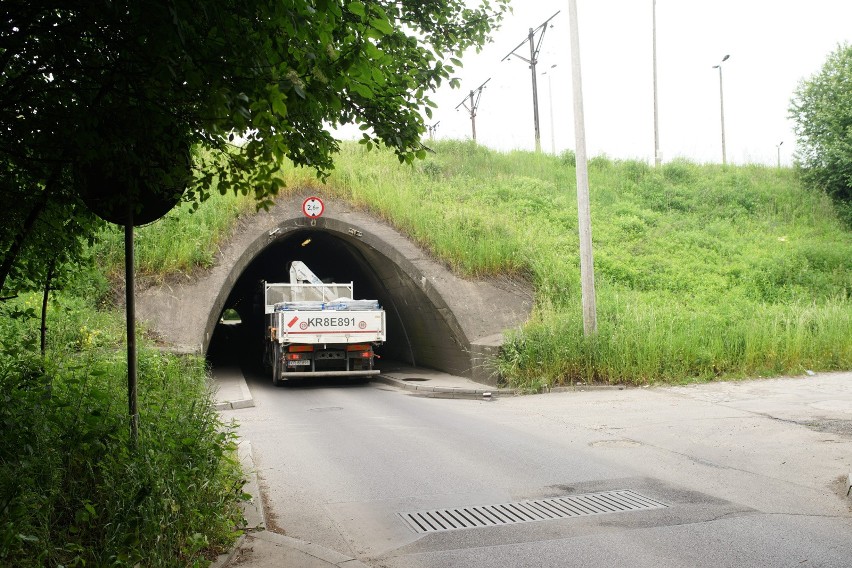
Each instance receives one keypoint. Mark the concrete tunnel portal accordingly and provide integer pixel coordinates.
(434, 318)
(335, 258)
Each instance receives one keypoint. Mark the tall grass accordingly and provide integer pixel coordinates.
(74, 490)
(179, 242)
(702, 271)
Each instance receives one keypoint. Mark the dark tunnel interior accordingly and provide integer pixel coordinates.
(333, 259)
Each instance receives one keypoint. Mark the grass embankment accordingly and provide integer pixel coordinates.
(702, 271)
(179, 242)
(74, 490)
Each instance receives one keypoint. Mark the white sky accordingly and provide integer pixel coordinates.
(772, 44)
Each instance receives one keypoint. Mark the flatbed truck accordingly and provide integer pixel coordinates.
(317, 329)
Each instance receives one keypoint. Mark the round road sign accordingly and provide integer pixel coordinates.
(313, 207)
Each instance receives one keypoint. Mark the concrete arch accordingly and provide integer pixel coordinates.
(435, 319)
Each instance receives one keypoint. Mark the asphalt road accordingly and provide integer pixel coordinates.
(751, 474)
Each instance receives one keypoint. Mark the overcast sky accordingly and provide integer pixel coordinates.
(772, 44)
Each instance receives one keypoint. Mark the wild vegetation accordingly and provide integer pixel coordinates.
(702, 271)
(821, 111)
(74, 489)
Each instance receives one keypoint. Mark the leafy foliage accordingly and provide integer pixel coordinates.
(72, 492)
(99, 99)
(822, 113)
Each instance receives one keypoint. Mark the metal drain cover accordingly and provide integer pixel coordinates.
(530, 511)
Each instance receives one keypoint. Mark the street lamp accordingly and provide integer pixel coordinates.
(656, 107)
(722, 106)
(550, 96)
(778, 147)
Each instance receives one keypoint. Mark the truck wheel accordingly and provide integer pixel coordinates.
(276, 365)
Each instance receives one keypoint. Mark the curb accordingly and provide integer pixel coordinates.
(247, 401)
(256, 522)
(252, 510)
(448, 392)
(234, 404)
(461, 392)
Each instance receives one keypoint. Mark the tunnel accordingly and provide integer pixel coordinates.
(336, 258)
(435, 319)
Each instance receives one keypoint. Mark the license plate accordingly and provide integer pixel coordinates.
(298, 363)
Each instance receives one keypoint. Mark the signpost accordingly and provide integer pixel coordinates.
(313, 207)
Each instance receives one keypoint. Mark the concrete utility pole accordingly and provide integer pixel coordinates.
(432, 128)
(473, 97)
(587, 266)
(722, 107)
(535, 48)
(657, 158)
(549, 74)
(778, 147)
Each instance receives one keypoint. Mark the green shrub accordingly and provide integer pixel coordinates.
(74, 490)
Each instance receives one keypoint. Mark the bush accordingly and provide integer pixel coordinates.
(821, 110)
(74, 490)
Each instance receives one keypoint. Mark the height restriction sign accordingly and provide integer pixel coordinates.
(313, 207)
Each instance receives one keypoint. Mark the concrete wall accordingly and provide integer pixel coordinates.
(448, 323)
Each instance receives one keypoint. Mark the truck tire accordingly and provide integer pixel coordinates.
(276, 365)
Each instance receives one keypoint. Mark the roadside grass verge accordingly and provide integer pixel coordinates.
(74, 491)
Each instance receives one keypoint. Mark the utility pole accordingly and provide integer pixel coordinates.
(471, 103)
(722, 107)
(778, 147)
(656, 109)
(587, 268)
(535, 48)
(431, 129)
(549, 74)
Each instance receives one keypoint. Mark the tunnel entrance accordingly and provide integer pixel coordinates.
(417, 332)
(434, 318)
(332, 259)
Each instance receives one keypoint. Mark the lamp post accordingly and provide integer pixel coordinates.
(656, 108)
(778, 148)
(722, 106)
(550, 97)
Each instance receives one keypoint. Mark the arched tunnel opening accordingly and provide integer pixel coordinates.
(418, 333)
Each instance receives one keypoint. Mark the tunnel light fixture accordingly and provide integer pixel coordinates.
(306, 242)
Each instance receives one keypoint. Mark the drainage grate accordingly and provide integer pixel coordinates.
(620, 501)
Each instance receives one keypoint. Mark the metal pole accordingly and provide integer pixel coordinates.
(550, 97)
(534, 49)
(130, 306)
(722, 107)
(587, 274)
(722, 110)
(472, 117)
(656, 109)
(535, 92)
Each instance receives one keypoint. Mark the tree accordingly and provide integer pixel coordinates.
(114, 98)
(821, 110)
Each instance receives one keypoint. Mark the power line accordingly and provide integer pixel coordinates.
(471, 103)
(535, 48)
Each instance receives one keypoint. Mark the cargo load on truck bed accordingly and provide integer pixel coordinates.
(318, 329)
